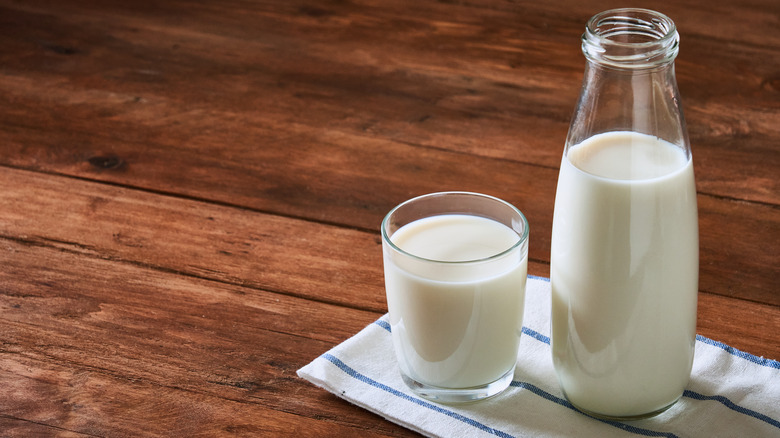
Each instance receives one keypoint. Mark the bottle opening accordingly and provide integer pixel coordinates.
(630, 39)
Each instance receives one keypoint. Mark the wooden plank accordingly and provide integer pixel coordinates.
(191, 191)
(510, 97)
(227, 145)
(46, 400)
(102, 347)
(232, 246)
(736, 257)
(732, 267)
(237, 246)
(744, 325)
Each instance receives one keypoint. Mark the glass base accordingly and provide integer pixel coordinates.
(460, 395)
(608, 417)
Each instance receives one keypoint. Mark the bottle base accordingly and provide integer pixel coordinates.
(460, 395)
(609, 417)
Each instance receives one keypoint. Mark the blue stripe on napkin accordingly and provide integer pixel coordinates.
(687, 393)
(733, 406)
(563, 402)
(515, 383)
(365, 379)
(470, 421)
(741, 354)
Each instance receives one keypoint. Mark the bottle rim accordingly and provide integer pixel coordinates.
(630, 38)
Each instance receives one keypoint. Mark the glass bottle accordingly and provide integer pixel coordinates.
(625, 251)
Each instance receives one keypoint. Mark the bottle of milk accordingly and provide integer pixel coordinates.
(625, 251)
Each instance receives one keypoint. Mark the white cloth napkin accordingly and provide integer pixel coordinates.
(730, 394)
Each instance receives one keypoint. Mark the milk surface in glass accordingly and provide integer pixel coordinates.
(455, 328)
(624, 274)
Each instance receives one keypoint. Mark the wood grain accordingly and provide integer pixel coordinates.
(492, 97)
(256, 250)
(483, 132)
(191, 192)
(102, 347)
(184, 352)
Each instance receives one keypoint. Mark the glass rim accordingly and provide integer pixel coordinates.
(521, 241)
(655, 44)
(625, 14)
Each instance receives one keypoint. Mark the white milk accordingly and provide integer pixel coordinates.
(455, 325)
(624, 274)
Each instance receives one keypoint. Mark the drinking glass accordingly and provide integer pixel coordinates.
(455, 268)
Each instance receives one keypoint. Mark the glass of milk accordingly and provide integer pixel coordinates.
(455, 268)
(624, 252)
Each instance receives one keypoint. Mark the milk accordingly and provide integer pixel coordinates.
(624, 274)
(455, 325)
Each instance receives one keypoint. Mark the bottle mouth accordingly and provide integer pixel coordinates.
(630, 38)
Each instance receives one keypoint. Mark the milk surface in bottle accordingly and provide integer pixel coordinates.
(455, 327)
(624, 273)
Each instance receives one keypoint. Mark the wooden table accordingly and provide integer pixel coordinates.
(191, 192)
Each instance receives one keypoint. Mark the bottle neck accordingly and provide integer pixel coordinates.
(630, 39)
